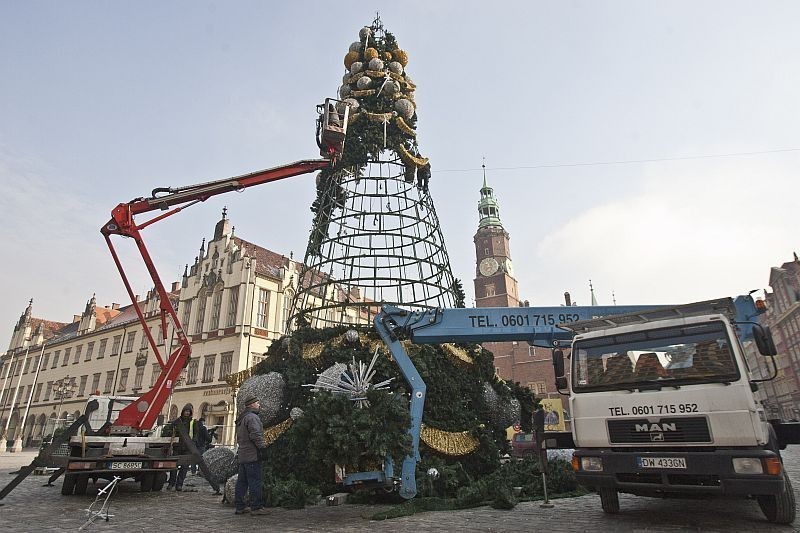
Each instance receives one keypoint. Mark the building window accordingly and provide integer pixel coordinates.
(201, 312)
(490, 289)
(101, 351)
(48, 390)
(27, 365)
(187, 313)
(538, 387)
(55, 358)
(89, 350)
(225, 361)
(130, 341)
(160, 340)
(45, 361)
(154, 375)
(191, 371)
(287, 303)
(123, 380)
(109, 382)
(216, 305)
(143, 344)
(137, 380)
(115, 347)
(256, 358)
(77, 358)
(82, 387)
(233, 305)
(95, 384)
(208, 368)
(38, 393)
(66, 356)
(263, 309)
(26, 395)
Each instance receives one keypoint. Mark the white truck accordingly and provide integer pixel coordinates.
(662, 404)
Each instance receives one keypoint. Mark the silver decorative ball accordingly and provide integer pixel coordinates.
(404, 108)
(376, 64)
(296, 413)
(268, 388)
(391, 88)
(365, 32)
(502, 412)
(433, 473)
(230, 491)
(356, 67)
(409, 80)
(346, 77)
(344, 91)
(396, 67)
(221, 462)
(363, 82)
(351, 336)
(353, 104)
(355, 47)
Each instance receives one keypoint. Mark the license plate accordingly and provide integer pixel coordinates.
(661, 462)
(126, 465)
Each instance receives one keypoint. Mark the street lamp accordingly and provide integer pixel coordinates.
(64, 389)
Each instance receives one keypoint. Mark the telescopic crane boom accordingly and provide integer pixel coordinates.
(142, 413)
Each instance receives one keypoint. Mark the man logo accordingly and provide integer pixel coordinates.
(656, 437)
(650, 428)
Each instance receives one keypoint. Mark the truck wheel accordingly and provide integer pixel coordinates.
(148, 479)
(158, 484)
(779, 508)
(81, 483)
(68, 486)
(609, 499)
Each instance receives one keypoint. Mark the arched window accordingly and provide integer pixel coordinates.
(202, 299)
(288, 295)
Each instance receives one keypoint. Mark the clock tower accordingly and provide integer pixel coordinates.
(495, 285)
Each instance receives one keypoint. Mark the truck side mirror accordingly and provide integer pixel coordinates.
(561, 382)
(764, 341)
(558, 362)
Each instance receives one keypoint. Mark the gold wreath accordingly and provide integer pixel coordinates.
(459, 354)
(453, 443)
(410, 159)
(405, 128)
(272, 433)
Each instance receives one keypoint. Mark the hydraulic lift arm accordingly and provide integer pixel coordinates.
(142, 414)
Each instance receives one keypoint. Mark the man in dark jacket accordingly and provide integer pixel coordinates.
(176, 479)
(250, 438)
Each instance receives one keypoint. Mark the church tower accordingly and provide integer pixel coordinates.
(495, 285)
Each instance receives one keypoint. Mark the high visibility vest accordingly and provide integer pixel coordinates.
(191, 429)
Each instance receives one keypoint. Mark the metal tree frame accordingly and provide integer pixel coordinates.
(375, 240)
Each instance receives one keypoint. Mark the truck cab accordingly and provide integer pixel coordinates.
(665, 407)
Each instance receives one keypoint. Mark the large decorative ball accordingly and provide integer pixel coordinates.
(376, 64)
(268, 388)
(396, 67)
(345, 91)
(356, 67)
(346, 77)
(401, 56)
(365, 32)
(502, 412)
(387, 56)
(363, 82)
(409, 80)
(355, 47)
(404, 108)
(221, 462)
(433, 473)
(353, 104)
(230, 491)
(351, 336)
(350, 58)
(370, 53)
(391, 88)
(296, 413)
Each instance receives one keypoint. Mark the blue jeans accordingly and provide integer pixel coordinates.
(250, 477)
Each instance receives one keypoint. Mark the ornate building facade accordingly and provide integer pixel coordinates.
(233, 301)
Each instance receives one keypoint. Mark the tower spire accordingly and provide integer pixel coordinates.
(591, 290)
(488, 207)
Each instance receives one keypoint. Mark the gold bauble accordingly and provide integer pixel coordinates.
(400, 56)
(387, 56)
(370, 53)
(350, 58)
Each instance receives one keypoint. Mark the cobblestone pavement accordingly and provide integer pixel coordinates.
(32, 507)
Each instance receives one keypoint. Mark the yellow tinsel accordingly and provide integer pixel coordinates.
(410, 159)
(234, 380)
(312, 351)
(405, 128)
(353, 117)
(365, 92)
(272, 433)
(453, 443)
(374, 73)
(378, 117)
(457, 353)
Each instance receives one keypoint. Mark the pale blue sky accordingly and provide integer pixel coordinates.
(100, 102)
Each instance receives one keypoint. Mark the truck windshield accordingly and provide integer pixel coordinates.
(659, 357)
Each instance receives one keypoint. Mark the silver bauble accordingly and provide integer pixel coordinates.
(404, 108)
(344, 91)
(502, 413)
(363, 83)
(409, 80)
(433, 473)
(268, 388)
(396, 67)
(376, 64)
(356, 67)
(221, 463)
(296, 413)
(351, 336)
(230, 491)
(365, 32)
(355, 47)
(391, 88)
(353, 104)
(346, 77)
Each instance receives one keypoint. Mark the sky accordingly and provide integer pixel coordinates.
(651, 147)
